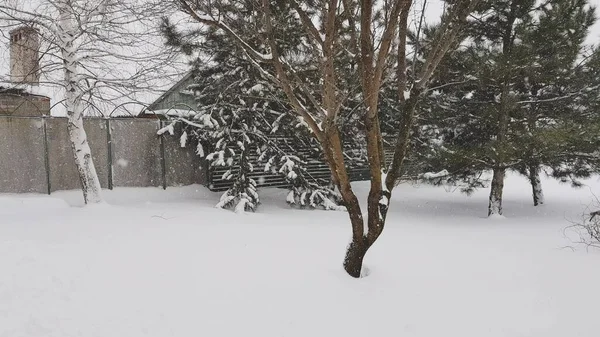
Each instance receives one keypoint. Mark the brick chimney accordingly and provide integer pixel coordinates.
(24, 56)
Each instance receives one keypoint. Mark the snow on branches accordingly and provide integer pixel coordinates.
(238, 124)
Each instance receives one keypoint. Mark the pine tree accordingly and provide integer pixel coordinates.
(519, 100)
(240, 114)
(572, 140)
(551, 90)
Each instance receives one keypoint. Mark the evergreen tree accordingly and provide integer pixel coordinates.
(519, 103)
(554, 124)
(240, 112)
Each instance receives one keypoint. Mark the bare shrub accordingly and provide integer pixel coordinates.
(587, 228)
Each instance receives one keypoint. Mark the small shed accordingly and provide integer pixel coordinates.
(179, 99)
(19, 102)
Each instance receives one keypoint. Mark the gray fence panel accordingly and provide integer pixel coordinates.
(31, 163)
(22, 151)
(136, 153)
(63, 174)
(184, 166)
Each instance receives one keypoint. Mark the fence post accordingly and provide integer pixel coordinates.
(163, 161)
(46, 159)
(109, 157)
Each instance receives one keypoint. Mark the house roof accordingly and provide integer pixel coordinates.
(17, 91)
(171, 90)
(118, 100)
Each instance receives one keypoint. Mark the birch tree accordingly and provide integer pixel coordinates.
(374, 29)
(97, 55)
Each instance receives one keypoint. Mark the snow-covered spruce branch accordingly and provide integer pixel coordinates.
(450, 84)
(206, 18)
(309, 26)
(556, 99)
(305, 191)
(234, 123)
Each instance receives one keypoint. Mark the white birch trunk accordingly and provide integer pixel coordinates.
(90, 185)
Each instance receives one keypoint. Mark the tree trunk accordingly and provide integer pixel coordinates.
(534, 167)
(90, 184)
(403, 139)
(536, 185)
(495, 205)
(504, 110)
(357, 249)
(82, 153)
(355, 254)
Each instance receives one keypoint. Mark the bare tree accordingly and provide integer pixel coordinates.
(367, 31)
(96, 55)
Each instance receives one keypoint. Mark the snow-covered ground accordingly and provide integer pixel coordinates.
(167, 263)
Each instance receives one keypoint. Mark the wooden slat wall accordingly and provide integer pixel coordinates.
(317, 169)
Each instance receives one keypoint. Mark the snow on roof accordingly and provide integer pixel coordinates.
(186, 113)
(18, 91)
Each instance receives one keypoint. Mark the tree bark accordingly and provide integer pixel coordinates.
(533, 165)
(536, 184)
(495, 202)
(495, 205)
(403, 140)
(88, 177)
(90, 184)
(357, 249)
(334, 155)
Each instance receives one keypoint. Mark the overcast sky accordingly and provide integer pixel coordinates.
(435, 8)
(433, 12)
